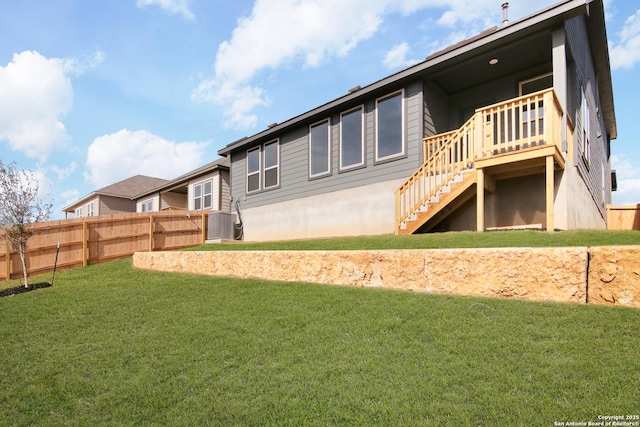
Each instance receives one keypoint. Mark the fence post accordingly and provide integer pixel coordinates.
(85, 243)
(204, 227)
(7, 261)
(151, 232)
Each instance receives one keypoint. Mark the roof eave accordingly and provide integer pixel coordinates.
(549, 17)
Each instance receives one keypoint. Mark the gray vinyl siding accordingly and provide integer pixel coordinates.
(583, 75)
(436, 111)
(294, 157)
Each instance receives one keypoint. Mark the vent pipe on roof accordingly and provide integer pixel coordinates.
(505, 13)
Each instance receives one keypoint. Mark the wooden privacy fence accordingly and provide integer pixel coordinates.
(623, 217)
(91, 240)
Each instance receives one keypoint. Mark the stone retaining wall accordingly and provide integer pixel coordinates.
(601, 275)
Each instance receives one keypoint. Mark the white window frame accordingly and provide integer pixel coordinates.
(203, 194)
(79, 212)
(262, 168)
(533, 79)
(90, 209)
(275, 167)
(403, 127)
(343, 167)
(257, 172)
(328, 170)
(147, 205)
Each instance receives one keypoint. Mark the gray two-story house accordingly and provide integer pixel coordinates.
(508, 129)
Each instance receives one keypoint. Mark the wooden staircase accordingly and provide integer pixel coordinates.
(503, 137)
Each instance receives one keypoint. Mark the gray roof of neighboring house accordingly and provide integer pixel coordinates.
(545, 19)
(125, 189)
(221, 163)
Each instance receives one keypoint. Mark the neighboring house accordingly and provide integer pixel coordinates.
(113, 199)
(205, 188)
(510, 128)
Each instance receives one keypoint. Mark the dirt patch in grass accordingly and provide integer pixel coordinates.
(22, 289)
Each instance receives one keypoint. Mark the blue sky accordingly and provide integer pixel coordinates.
(92, 92)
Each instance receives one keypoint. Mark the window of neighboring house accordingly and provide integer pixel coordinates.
(319, 149)
(271, 164)
(78, 212)
(351, 139)
(390, 126)
(202, 195)
(253, 170)
(536, 84)
(197, 197)
(90, 209)
(147, 205)
(263, 167)
(207, 193)
(586, 128)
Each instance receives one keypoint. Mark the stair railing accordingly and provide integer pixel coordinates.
(521, 123)
(446, 156)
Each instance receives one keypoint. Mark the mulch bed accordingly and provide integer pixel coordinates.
(22, 289)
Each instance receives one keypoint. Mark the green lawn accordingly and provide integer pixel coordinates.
(464, 239)
(109, 345)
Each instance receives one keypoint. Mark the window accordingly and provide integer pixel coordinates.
(271, 165)
(586, 128)
(390, 127)
(78, 212)
(202, 195)
(90, 209)
(319, 149)
(207, 193)
(147, 205)
(536, 84)
(263, 167)
(351, 139)
(253, 170)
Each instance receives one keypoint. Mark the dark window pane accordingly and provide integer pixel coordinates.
(207, 201)
(271, 155)
(271, 178)
(390, 126)
(253, 182)
(351, 138)
(319, 148)
(197, 205)
(253, 160)
(197, 190)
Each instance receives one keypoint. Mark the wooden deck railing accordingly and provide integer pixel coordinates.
(517, 124)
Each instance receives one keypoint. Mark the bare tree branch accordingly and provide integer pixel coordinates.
(20, 209)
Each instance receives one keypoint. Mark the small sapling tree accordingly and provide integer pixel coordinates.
(20, 209)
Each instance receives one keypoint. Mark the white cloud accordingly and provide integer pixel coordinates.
(64, 173)
(117, 156)
(40, 94)
(172, 7)
(397, 57)
(628, 177)
(280, 32)
(625, 53)
(69, 196)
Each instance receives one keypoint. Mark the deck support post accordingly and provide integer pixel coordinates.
(550, 189)
(480, 200)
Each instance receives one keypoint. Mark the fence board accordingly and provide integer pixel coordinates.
(95, 239)
(623, 217)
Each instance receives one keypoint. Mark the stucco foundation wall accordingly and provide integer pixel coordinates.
(365, 210)
(607, 275)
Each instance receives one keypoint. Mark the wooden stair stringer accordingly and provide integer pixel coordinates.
(447, 203)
